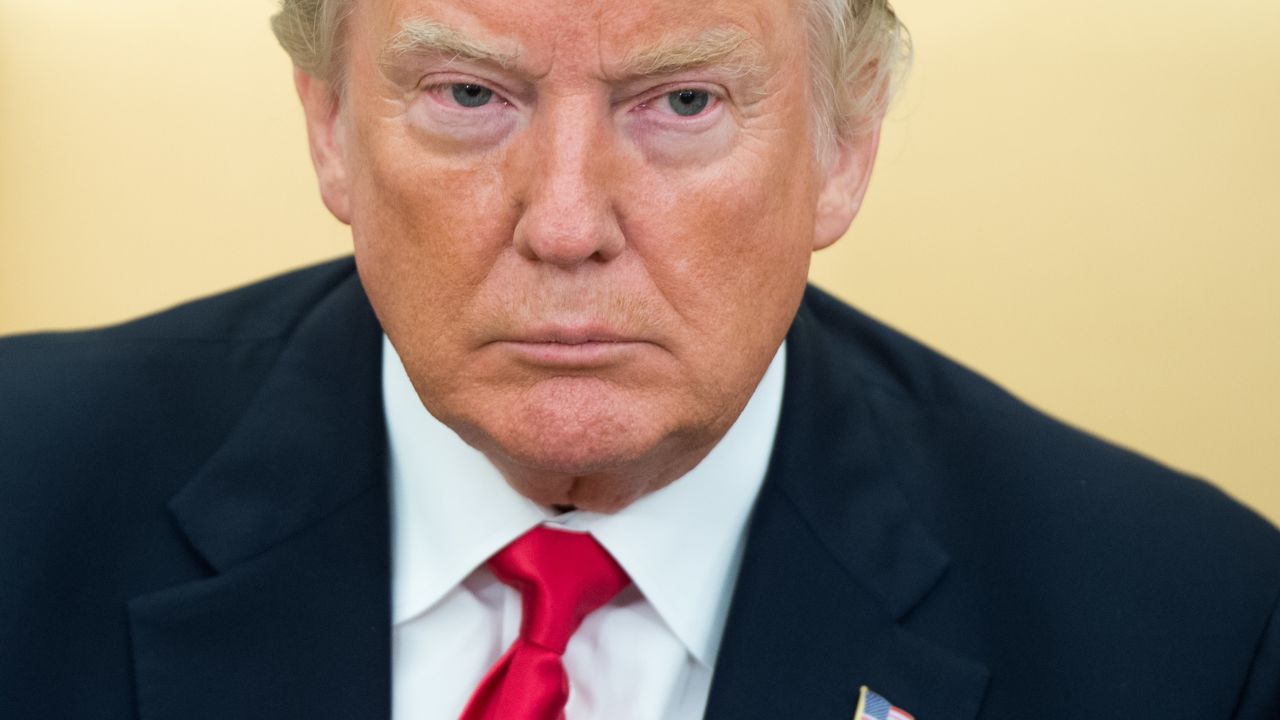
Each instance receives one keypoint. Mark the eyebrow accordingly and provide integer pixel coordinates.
(731, 47)
(420, 36)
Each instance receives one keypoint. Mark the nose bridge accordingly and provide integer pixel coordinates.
(568, 213)
(571, 135)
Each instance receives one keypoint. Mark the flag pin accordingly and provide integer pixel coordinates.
(874, 707)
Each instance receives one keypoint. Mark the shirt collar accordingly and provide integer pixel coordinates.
(681, 544)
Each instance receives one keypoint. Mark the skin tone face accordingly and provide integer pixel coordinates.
(585, 226)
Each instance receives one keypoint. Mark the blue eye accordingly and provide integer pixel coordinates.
(471, 96)
(688, 103)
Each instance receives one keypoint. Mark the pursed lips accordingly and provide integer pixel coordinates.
(572, 346)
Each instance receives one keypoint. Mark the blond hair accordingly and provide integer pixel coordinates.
(858, 52)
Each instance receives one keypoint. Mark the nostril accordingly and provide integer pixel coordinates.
(568, 236)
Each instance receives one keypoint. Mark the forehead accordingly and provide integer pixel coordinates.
(546, 33)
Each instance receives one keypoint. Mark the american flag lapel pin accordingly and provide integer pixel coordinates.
(873, 707)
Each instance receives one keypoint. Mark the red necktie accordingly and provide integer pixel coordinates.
(562, 577)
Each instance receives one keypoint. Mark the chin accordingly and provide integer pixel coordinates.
(570, 427)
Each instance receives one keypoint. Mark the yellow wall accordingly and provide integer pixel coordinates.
(1081, 200)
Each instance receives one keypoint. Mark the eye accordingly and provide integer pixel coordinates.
(471, 96)
(687, 102)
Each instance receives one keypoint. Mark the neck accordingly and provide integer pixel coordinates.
(605, 491)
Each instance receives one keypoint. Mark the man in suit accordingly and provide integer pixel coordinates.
(571, 435)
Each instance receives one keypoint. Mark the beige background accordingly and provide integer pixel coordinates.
(1082, 200)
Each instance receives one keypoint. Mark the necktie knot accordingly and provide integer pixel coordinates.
(562, 577)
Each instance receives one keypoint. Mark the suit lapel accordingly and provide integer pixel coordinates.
(834, 561)
(291, 514)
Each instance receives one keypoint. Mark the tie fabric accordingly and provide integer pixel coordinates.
(562, 577)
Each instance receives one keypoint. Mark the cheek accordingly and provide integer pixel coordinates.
(731, 240)
(426, 215)
(427, 235)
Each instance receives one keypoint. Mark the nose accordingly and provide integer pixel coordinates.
(568, 216)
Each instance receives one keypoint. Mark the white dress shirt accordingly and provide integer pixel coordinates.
(648, 654)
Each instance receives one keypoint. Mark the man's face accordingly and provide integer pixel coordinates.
(585, 226)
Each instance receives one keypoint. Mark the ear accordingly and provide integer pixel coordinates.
(325, 135)
(844, 184)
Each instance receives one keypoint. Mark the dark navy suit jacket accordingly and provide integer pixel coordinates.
(194, 525)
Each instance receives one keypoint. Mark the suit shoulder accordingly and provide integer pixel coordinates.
(890, 362)
(109, 397)
(1012, 466)
(130, 353)
(264, 309)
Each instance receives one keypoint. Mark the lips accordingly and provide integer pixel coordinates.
(572, 335)
(572, 346)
